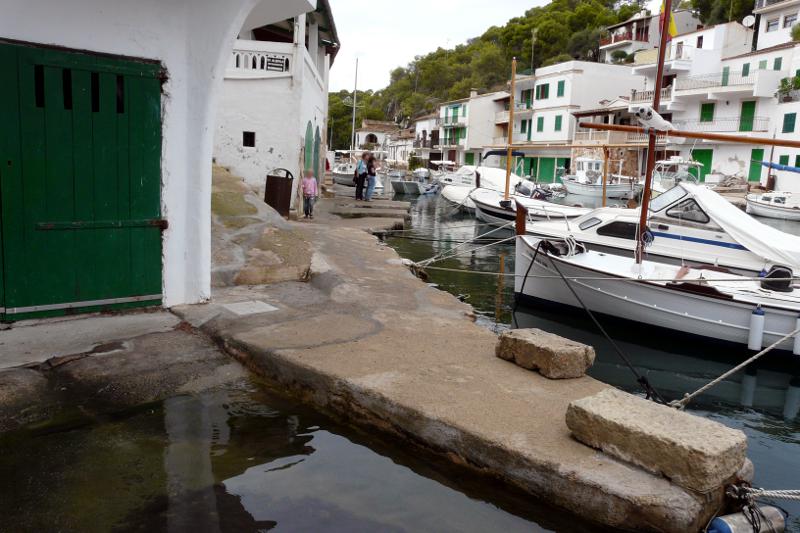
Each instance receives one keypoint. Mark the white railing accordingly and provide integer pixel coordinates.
(674, 52)
(591, 136)
(501, 117)
(724, 124)
(499, 141)
(260, 59)
(711, 81)
(647, 96)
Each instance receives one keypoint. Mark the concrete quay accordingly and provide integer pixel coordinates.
(368, 342)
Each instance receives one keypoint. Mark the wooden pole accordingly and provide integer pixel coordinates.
(510, 127)
(696, 135)
(605, 172)
(522, 219)
(651, 139)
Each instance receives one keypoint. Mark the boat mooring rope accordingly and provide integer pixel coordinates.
(757, 494)
(449, 253)
(680, 404)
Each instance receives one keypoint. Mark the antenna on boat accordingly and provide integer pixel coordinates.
(510, 127)
(666, 18)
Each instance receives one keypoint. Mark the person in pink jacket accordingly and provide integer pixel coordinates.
(310, 194)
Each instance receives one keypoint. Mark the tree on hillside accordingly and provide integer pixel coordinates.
(718, 11)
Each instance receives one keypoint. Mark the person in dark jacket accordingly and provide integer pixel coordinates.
(372, 177)
(360, 176)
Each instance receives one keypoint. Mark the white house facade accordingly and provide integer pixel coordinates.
(544, 124)
(641, 32)
(274, 105)
(131, 90)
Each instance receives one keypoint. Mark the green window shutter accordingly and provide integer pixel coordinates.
(797, 160)
(546, 91)
(706, 112)
(464, 107)
(783, 160)
(560, 91)
(788, 122)
(523, 127)
(726, 74)
(528, 98)
(540, 124)
(745, 70)
(558, 123)
(762, 65)
(776, 65)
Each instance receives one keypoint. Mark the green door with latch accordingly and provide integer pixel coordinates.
(756, 157)
(547, 169)
(80, 182)
(747, 116)
(704, 156)
(469, 158)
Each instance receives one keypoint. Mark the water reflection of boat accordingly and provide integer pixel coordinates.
(675, 367)
(588, 181)
(689, 224)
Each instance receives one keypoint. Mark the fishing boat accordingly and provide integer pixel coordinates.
(459, 185)
(780, 205)
(588, 181)
(670, 172)
(706, 301)
(414, 185)
(490, 206)
(689, 224)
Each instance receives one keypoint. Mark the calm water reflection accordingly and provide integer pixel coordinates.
(244, 460)
(763, 402)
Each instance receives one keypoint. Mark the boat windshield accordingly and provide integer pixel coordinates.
(667, 198)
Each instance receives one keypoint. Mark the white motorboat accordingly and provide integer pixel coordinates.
(588, 181)
(690, 224)
(779, 205)
(670, 172)
(458, 185)
(491, 208)
(342, 173)
(699, 301)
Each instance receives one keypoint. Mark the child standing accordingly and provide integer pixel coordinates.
(309, 194)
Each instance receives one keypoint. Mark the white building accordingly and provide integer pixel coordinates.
(374, 134)
(715, 83)
(468, 125)
(426, 137)
(544, 124)
(641, 32)
(400, 147)
(776, 19)
(274, 106)
(140, 82)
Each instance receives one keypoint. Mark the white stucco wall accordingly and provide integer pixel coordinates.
(191, 39)
(780, 35)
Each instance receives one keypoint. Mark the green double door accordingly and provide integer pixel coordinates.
(80, 182)
(706, 157)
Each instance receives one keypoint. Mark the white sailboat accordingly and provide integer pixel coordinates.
(490, 206)
(459, 185)
(588, 181)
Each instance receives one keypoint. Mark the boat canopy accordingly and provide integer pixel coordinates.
(773, 245)
(776, 166)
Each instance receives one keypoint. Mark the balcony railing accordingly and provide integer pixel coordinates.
(501, 117)
(643, 138)
(499, 141)
(760, 4)
(639, 97)
(419, 143)
(624, 36)
(678, 51)
(712, 81)
(450, 122)
(591, 136)
(260, 59)
(724, 124)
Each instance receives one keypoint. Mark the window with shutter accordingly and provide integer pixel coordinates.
(540, 124)
(788, 122)
(558, 123)
(560, 90)
(707, 112)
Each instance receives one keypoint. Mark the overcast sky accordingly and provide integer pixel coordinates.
(387, 34)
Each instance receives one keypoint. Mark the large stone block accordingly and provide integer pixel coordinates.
(693, 452)
(553, 356)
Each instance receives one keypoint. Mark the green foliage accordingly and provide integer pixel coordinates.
(619, 56)
(564, 30)
(718, 11)
(415, 162)
(796, 33)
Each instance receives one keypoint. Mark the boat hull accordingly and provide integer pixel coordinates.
(760, 209)
(613, 190)
(408, 187)
(642, 302)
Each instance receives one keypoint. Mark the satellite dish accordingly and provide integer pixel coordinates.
(749, 21)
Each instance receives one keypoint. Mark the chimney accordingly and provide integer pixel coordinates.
(473, 93)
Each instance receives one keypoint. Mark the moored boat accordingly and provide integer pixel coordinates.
(459, 185)
(780, 205)
(490, 207)
(588, 181)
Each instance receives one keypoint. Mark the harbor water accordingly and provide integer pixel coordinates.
(763, 401)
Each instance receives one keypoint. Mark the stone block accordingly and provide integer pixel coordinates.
(553, 356)
(693, 452)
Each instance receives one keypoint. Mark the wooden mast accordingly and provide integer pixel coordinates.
(605, 173)
(510, 127)
(651, 138)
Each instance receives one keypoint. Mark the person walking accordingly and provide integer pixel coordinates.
(310, 194)
(372, 177)
(360, 176)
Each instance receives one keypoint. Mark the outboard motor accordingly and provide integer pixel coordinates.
(778, 279)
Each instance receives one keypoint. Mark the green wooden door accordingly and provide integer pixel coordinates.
(747, 115)
(547, 169)
(726, 75)
(756, 157)
(704, 156)
(469, 158)
(80, 188)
